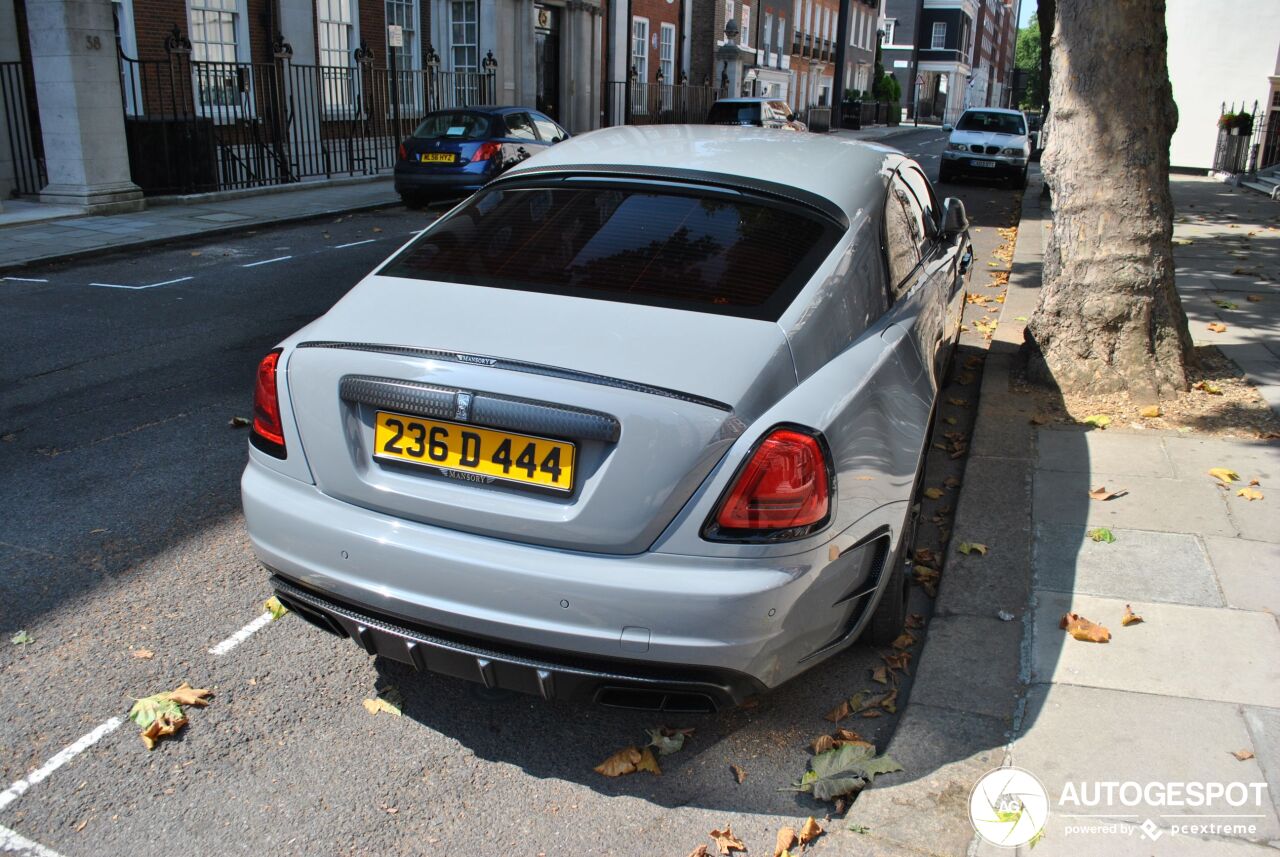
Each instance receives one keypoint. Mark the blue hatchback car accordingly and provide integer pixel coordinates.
(455, 152)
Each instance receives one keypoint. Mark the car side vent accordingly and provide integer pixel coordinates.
(859, 595)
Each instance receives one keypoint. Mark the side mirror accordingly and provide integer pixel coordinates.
(954, 219)
(948, 127)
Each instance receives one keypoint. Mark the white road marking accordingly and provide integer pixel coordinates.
(266, 261)
(240, 636)
(25, 280)
(63, 756)
(356, 243)
(137, 288)
(12, 842)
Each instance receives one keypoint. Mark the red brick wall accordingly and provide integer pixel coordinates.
(658, 12)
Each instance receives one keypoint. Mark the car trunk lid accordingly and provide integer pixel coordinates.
(514, 358)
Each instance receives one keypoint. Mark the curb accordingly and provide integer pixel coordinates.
(226, 229)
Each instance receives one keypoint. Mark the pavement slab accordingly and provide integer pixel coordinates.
(1248, 571)
(1165, 505)
(1178, 651)
(1081, 451)
(1264, 729)
(1139, 564)
(1085, 735)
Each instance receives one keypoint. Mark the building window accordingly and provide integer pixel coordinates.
(335, 29)
(939, 36)
(745, 39)
(667, 52)
(464, 36)
(404, 14)
(768, 38)
(889, 25)
(640, 48)
(728, 11)
(127, 49)
(216, 31)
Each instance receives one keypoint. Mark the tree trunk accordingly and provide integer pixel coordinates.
(1109, 319)
(1046, 14)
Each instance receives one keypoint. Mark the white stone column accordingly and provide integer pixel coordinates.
(8, 53)
(73, 54)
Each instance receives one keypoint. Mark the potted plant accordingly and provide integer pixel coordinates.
(1226, 121)
(1243, 124)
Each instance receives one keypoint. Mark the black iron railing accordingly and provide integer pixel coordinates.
(1240, 144)
(635, 103)
(196, 126)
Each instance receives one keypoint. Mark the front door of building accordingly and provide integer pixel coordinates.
(547, 59)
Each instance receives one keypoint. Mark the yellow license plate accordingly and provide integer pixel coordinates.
(438, 158)
(467, 449)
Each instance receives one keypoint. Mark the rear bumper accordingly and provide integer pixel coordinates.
(549, 675)
(730, 626)
(440, 184)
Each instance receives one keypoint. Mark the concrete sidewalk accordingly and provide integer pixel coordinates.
(1169, 700)
(67, 238)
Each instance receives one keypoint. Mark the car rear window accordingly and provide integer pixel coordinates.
(458, 126)
(729, 255)
(999, 123)
(729, 113)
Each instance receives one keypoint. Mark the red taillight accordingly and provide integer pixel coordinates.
(404, 155)
(783, 486)
(266, 404)
(486, 151)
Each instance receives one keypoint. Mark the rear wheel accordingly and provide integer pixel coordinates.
(1022, 180)
(890, 616)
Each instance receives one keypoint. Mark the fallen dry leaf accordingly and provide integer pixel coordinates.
(143, 654)
(1242, 755)
(621, 762)
(838, 713)
(822, 744)
(811, 831)
(1101, 493)
(1250, 493)
(700, 851)
(185, 694)
(1217, 327)
(915, 621)
(1254, 299)
(374, 706)
(1082, 629)
(871, 712)
(648, 762)
(1129, 618)
(889, 702)
(880, 674)
(1206, 387)
(933, 493)
(163, 725)
(1225, 474)
(967, 548)
(786, 838)
(897, 661)
(738, 773)
(726, 841)
(1150, 412)
(905, 641)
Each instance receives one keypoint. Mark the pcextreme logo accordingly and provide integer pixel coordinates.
(1009, 807)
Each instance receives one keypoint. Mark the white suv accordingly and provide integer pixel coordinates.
(988, 142)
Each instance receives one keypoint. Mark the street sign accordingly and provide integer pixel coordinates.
(919, 80)
(395, 36)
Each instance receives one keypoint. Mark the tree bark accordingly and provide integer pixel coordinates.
(1109, 318)
(1046, 14)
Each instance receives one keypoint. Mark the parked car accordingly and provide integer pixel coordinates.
(760, 112)
(640, 423)
(988, 142)
(454, 152)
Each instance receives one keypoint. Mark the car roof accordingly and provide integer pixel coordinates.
(484, 108)
(744, 100)
(993, 110)
(849, 173)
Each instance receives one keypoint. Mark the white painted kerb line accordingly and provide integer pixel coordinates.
(356, 243)
(240, 636)
(63, 756)
(12, 842)
(136, 288)
(25, 280)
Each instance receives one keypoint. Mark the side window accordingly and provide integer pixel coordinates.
(920, 233)
(548, 130)
(901, 236)
(519, 126)
(924, 195)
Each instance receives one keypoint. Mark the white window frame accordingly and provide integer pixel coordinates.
(667, 52)
(640, 62)
(890, 24)
(938, 38)
(466, 85)
(729, 11)
(339, 84)
(241, 106)
(407, 60)
(768, 38)
(745, 36)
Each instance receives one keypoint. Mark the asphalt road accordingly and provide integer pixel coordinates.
(122, 531)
